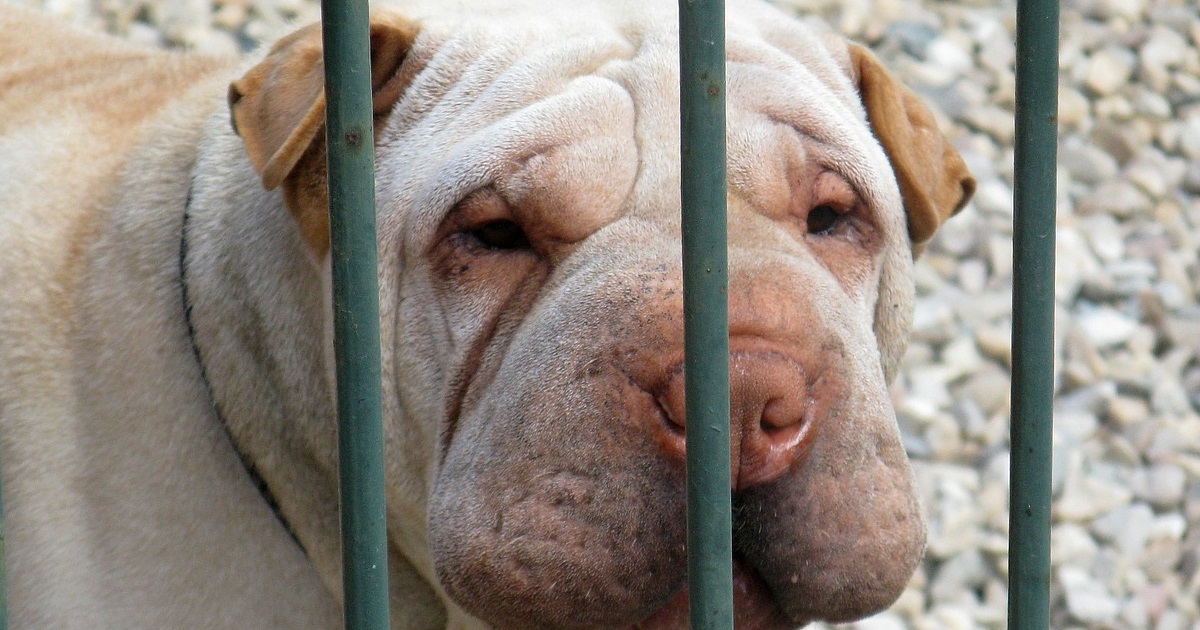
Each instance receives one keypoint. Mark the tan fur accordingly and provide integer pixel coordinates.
(77, 112)
(933, 179)
(532, 387)
(279, 111)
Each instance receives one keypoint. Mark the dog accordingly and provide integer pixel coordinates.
(167, 430)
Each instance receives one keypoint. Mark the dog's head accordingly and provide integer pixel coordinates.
(528, 208)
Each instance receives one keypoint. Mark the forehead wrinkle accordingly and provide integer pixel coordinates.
(796, 98)
(775, 41)
(788, 148)
(478, 104)
(762, 78)
(506, 144)
(651, 78)
(443, 61)
(482, 73)
(813, 47)
(800, 101)
(541, 73)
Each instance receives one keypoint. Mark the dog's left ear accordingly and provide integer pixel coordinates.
(933, 178)
(278, 108)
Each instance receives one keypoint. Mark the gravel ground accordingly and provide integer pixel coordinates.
(1126, 546)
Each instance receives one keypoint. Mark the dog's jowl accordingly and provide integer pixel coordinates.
(166, 415)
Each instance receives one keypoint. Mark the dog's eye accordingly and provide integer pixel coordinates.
(500, 235)
(823, 219)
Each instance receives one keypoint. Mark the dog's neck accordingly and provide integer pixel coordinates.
(258, 315)
(263, 489)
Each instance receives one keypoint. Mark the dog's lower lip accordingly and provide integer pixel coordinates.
(754, 606)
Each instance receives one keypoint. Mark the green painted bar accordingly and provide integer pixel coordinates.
(705, 316)
(350, 138)
(1033, 313)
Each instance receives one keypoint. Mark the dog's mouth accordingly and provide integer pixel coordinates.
(754, 606)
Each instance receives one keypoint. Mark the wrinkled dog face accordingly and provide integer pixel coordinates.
(529, 206)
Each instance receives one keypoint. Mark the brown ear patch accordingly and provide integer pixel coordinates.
(279, 105)
(934, 181)
(278, 109)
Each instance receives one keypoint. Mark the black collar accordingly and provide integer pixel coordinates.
(251, 470)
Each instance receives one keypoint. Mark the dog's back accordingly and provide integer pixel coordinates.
(73, 107)
(81, 116)
(49, 71)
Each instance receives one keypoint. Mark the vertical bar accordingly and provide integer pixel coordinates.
(1033, 313)
(350, 141)
(705, 316)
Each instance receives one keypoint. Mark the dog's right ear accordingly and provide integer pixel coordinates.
(278, 108)
(934, 180)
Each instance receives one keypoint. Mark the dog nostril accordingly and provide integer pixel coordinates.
(774, 416)
(671, 403)
(781, 414)
(673, 424)
(782, 422)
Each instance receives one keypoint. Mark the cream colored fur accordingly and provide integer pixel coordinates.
(125, 500)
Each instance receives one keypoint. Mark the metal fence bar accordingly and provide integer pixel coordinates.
(705, 315)
(1033, 313)
(350, 141)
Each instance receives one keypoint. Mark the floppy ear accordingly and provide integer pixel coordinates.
(278, 108)
(933, 178)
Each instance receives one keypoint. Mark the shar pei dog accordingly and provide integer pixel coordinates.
(166, 399)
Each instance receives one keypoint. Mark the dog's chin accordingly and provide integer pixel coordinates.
(754, 607)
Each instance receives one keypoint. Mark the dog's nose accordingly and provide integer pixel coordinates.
(770, 414)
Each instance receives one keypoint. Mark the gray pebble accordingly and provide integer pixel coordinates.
(1109, 70)
(1127, 527)
(1087, 599)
